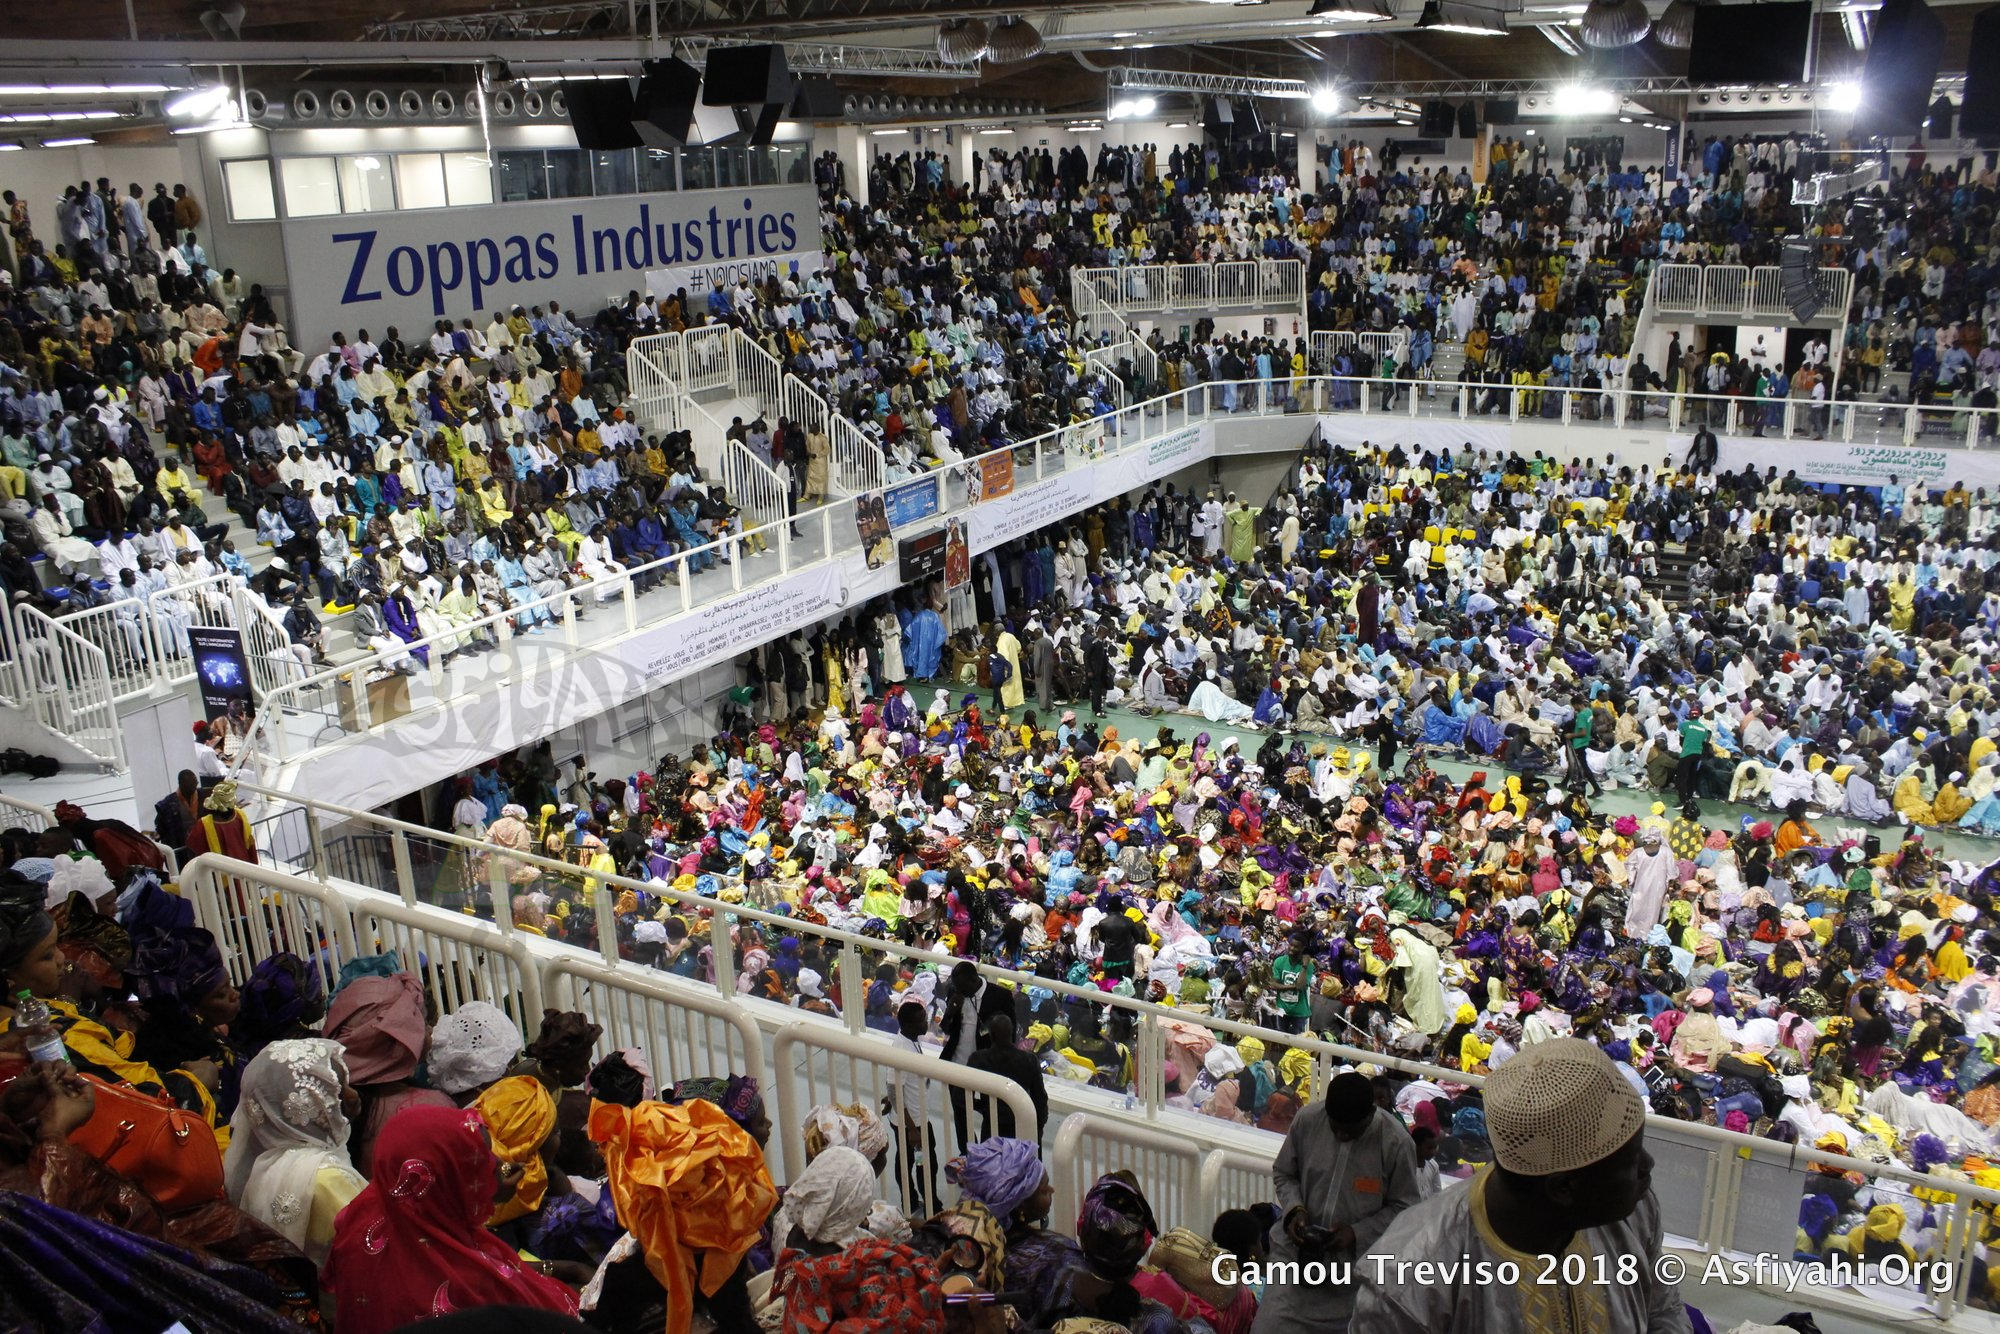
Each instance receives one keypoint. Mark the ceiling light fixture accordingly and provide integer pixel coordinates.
(197, 102)
(71, 89)
(78, 142)
(1325, 101)
(1471, 20)
(1352, 11)
(1131, 108)
(1578, 99)
(1675, 26)
(1613, 23)
(10, 148)
(1013, 39)
(54, 117)
(997, 131)
(1843, 97)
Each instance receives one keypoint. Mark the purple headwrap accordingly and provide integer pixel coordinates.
(283, 991)
(737, 1096)
(181, 965)
(1115, 1227)
(1000, 1173)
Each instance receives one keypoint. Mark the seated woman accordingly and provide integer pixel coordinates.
(414, 1243)
(287, 1165)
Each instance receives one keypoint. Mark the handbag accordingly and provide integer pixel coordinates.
(171, 1153)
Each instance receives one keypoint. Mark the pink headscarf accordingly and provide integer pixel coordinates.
(380, 1023)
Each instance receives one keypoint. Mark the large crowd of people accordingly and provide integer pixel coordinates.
(1820, 974)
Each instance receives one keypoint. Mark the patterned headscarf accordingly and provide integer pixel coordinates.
(472, 1046)
(178, 966)
(873, 1285)
(737, 1096)
(974, 1221)
(521, 1115)
(288, 1128)
(1115, 1226)
(852, 1125)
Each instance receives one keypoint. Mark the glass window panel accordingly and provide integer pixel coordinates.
(523, 175)
(798, 171)
(311, 188)
(698, 168)
(656, 169)
(468, 179)
(732, 166)
(611, 172)
(420, 180)
(569, 173)
(764, 165)
(364, 184)
(250, 195)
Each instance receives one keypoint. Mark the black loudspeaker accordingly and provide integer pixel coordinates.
(1438, 119)
(1902, 65)
(1248, 125)
(1218, 118)
(668, 90)
(1796, 280)
(1749, 43)
(1502, 110)
(1468, 121)
(601, 111)
(1979, 111)
(746, 76)
(817, 98)
(1938, 126)
(760, 124)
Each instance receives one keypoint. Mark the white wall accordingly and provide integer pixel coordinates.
(38, 175)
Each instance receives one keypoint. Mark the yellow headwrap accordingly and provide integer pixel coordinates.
(685, 1178)
(521, 1115)
(1295, 1068)
(1251, 1050)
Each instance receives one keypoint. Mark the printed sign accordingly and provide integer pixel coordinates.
(996, 474)
(724, 629)
(957, 555)
(873, 524)
(912, 502)
(411, 269)
(1166, 452)
(221, 667)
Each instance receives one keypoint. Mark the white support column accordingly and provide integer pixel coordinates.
(854, 151)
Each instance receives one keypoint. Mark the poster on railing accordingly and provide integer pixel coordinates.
(1085, 440)
(222, 668)
(957, 555)
(912, 502)
(996, 475)
(872, 522)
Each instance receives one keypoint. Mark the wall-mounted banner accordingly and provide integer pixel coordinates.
(873, 525)
(912, 502)
(221, 667)
(1166, 452)
(411, 269)
(724, 629)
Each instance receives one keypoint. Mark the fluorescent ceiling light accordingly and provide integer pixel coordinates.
(1352, 11)
(1325, 101)
(61, 89)
(1472, 20)
(1002, 131)
(1177, 125)
(1577, 99)
(882, 132)
(54, 117)
(10, 148)
(1842, 97)
(227, 123)
(198, 102)
(77, 142)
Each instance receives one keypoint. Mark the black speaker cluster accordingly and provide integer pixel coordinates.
(745, 92)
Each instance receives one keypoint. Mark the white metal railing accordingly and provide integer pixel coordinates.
(1719, 1191)
(267, 644)
(65, 684)
(125, 634)
(1160, 288)
(1734, 290)
(18, 813)
(759, 376)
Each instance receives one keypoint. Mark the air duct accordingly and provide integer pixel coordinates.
(340, 104)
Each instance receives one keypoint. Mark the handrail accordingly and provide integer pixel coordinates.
(66, 685)
(31, 815)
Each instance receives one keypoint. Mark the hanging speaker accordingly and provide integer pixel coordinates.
(1939, 124)
(1502, 110)
(816, 98)
(746, 76)
(1437, 120)
(668, 90)
(601, 111)
(1979, 110)
(1749, 44)
(1902, 66)
(1468, 121)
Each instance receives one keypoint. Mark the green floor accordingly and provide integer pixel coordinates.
(1715, 814)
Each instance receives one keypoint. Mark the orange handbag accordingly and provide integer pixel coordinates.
(170, 1153)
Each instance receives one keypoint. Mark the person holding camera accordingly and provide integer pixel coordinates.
(1346, 1170)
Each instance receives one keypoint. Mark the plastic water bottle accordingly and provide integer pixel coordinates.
(38, 1027)
(1131, 1100)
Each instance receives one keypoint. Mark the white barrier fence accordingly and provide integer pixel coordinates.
(1733, 290)
(1721, 1194)
(16, 813)
(1254, 284)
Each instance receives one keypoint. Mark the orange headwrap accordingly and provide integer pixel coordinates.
(685, 1178)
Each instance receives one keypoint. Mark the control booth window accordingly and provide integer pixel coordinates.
(365, 185)
(658, 170)
(311, 188)
(251, 198)
(611, 172)
(420, 180)
(524, 174)
(569, 173)
(468, 179)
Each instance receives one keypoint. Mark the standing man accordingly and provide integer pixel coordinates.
(1346, 1170)
(1002, 1057)
(1292, 983)
(1570, 1176)
(968, 1005)
(1694, 737)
